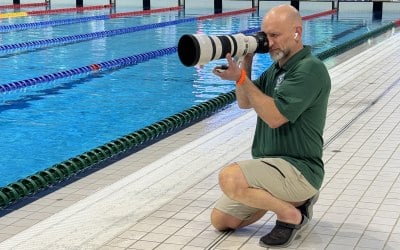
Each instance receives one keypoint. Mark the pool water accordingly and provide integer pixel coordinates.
(51, 122)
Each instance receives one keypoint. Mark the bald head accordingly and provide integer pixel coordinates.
(284, 15)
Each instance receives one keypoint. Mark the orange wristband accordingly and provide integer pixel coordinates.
(242, 78)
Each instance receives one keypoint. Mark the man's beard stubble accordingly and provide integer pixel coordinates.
(277, 56)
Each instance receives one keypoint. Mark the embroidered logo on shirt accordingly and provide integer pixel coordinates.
(279, 80)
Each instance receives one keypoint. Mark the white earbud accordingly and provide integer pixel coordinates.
(295, 35)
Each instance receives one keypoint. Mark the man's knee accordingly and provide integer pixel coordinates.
(232, 180)
(222, 221)
(227, 174)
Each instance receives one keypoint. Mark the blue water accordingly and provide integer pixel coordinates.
(52, 122)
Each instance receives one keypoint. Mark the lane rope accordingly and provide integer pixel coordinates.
(107, 65)
(35, 25)
(101, 34)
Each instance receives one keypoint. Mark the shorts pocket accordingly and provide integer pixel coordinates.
(275, 167)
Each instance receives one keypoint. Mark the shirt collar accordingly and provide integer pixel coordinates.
(295, 58)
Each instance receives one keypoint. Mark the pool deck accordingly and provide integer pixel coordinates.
(161, 196)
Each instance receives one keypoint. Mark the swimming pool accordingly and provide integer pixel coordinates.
(53, 121)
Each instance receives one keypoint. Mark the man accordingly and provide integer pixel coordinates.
(290, 99)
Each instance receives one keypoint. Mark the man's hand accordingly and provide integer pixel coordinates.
(231, 71)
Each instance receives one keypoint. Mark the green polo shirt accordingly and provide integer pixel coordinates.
(300, 90)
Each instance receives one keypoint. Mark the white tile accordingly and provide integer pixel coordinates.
(175, 223)
(143, 227)
(169, 246)
(179, 239)
(170, 208)
(133, 235)
(201, 225)
(184, 216)
(153, 220)
(350, 242)
(200, 242)
(121, 242)
(370, 243)
(155, 237)
(190, 232)
(209, 234)
(384, 220)
(192, 248)
(165, 229)
(373, 235)
(324, 229)
(144, 245)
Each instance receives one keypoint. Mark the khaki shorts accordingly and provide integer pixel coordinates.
(275, 175)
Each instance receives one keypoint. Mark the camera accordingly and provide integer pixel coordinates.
(199, 49)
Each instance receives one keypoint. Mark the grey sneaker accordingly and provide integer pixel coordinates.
(307, 208)
(283, 234)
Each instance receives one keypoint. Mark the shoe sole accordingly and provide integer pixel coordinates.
(313, 200)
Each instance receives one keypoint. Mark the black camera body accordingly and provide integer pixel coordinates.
(200, 49)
